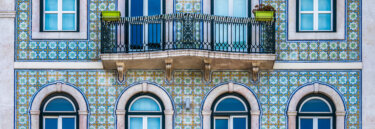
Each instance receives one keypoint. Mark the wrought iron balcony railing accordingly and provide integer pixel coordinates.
(187, 31)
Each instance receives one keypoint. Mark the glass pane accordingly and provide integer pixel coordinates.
(306, 123)
(221, 7)
(324, 5)
(59, 104)
(136, 36)
(239, 37)
(145, 104)
(50, 5)
(154, 7)
(136, 8)
(230, 104)
(221, 37)
(307, 5)
(307, 22)
(325, 22)
(154, 36)
(153, 123)
(239, 123)
(239, 8)
(68, 5)
(50, 22)
(50, 123)
(324, 123)
(68, 123)
(69, 21)
(315, 105)
(221, 123)
(136, 123)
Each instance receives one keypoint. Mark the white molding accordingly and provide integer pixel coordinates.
(8, 14)
(356, 65)
(340, 24)
(58, 65)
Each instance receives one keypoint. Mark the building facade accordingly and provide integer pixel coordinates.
(186, 64)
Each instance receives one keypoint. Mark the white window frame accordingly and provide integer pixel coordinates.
(59, 13)
(320, 98)
(145, 25)
(230, 96)
(144, 120)
(59, 97)
(315, 13)
(59, 121)
(315, 121)
(230, 120)
(230, 8)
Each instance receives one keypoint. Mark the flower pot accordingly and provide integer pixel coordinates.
(111, 15)
(264, 15)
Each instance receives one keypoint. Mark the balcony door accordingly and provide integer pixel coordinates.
(230, 36)
(145, 35)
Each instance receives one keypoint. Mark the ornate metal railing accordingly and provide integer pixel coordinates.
(187, 31)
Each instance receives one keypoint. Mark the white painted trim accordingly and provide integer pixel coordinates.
(340, 24)
(357, 65)
(8, 14)
(81, 34)
(315, 13)
(145, 120)
(229, 88)
(58, 65)
(144, 88)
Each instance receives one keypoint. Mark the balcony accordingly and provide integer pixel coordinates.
(188, 41)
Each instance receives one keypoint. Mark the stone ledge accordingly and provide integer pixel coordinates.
(7, 14)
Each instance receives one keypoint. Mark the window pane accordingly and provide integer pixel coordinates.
(230, 104)
(68, 123)
(50, 22)
(154, 7)
(306, 123)
(153, 123)
(239, 123)
(315, 105)
(68, 21)
(307, 5)
(324, 5)
(307, 22)
(50, 5)
(136, 36)
(68, 5)
(324, 123)
(221, 123)
(136, 8)
(50, 123)
(325, 21)
(221, 37)
(59, 104)
(145, 104)
(136, 123)
(154, 36)
(221, 7)
(239, 8)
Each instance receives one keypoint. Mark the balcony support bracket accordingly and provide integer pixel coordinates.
(168, 68)
(121, 69)
(207, 69)
(255, 70)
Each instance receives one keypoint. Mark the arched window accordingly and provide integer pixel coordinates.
(231, 111)
(315, 111)
(145, 112)
(59, 111)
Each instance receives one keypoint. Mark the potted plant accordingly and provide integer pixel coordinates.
(263, 12)
(111, 15)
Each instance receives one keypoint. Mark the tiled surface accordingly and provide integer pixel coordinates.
(88, 50)
(273, 92)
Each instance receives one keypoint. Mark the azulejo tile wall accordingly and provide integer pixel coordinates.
(273, 91)
(88, 50)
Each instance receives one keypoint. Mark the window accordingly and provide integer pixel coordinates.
(59, 112)
(230, 112)
(316, 15)
(315, 112)
(152, 31)
(59, 15)
(145, 112)
(228, 36)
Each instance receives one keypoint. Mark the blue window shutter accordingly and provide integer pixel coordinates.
(59, 104)
(68, 123)
(221, 123)
(50, 123)
(239, 123)
(306, 123)
(230, 104)
(136, 8)
(324, 123)
(315, 105)
(154, 7)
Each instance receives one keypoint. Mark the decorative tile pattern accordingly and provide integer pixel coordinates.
(88, 50)
(273, 91)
